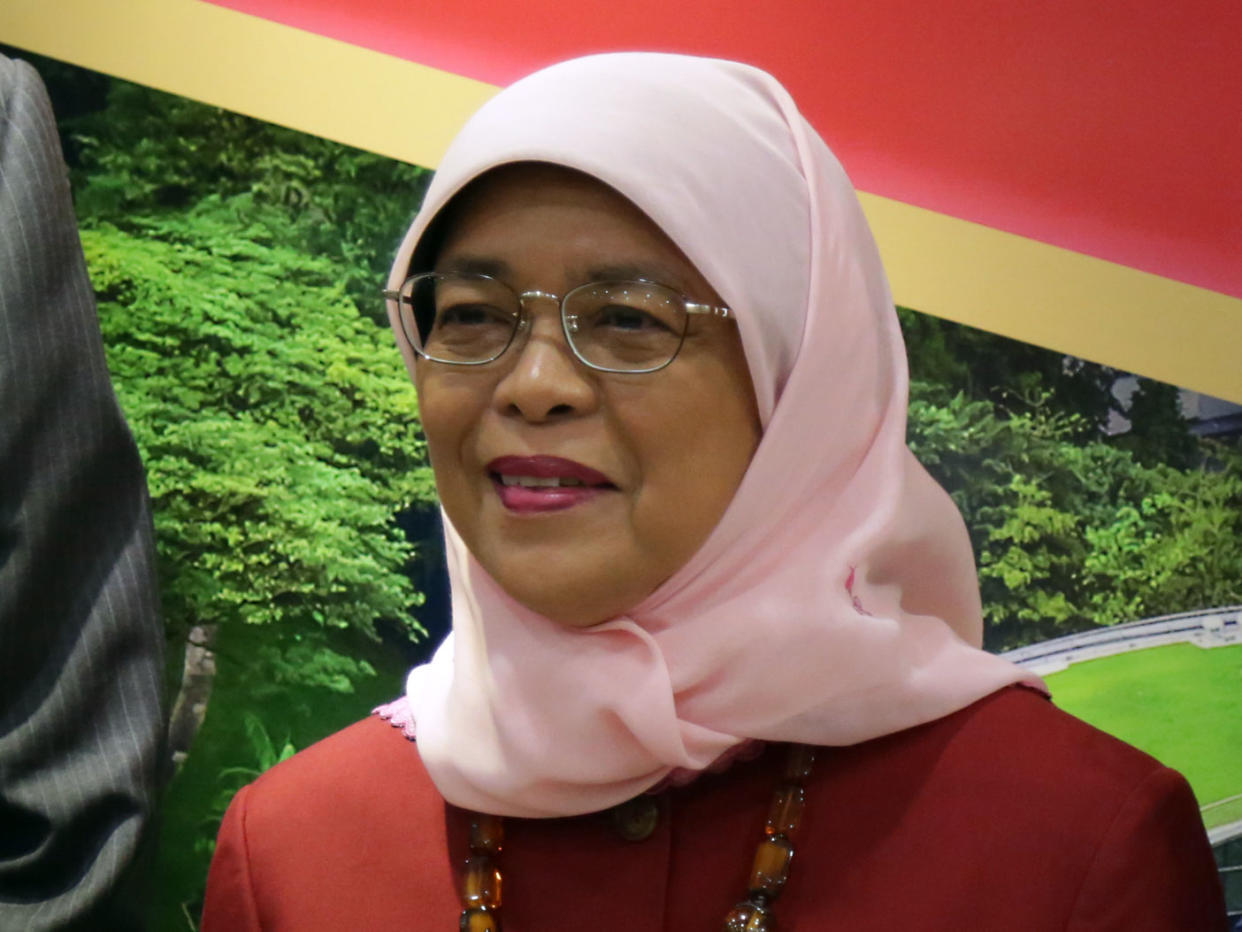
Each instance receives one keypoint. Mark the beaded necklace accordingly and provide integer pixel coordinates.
(480, 892)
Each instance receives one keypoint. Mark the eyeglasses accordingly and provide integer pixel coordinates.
(612, 326)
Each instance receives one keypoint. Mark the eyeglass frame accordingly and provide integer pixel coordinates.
(690, 308)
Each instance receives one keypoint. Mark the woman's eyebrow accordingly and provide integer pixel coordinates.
(629, 272)
(474, 265)
(624, 271)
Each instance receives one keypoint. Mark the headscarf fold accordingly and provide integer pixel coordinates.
(836, 600)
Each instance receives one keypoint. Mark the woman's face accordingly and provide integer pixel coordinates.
(644, 465)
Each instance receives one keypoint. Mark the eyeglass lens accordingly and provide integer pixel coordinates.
(622, 326)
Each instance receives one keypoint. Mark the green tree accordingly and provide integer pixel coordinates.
(279, 430)
(148, 153)
(1158, 431)
(1176, 548)
(280, 434)
(1069, 533)
(1013, 376)
(1018, 378)
(1021, 506)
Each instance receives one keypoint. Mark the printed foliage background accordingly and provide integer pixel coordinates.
(237, 268)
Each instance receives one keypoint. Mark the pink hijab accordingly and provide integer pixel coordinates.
(836, 601)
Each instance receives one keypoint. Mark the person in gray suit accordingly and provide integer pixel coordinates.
(81, 708)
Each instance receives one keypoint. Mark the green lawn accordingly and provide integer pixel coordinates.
(1180, 703)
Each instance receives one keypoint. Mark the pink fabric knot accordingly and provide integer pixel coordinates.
(684, 776)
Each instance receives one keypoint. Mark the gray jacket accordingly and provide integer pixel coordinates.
(81, 713)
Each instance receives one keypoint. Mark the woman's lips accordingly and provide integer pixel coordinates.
(529, 484)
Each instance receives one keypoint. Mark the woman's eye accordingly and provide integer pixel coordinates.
(471, 315)
(630, 319)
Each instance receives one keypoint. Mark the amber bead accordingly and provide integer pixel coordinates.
(748, 917)
(481, 886)
(479, 919)
(798, 763)
(487, 833)
(771, 868)
(786, 809)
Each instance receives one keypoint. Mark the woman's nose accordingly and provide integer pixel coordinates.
(544, 380)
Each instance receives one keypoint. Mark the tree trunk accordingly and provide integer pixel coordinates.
(197, 676)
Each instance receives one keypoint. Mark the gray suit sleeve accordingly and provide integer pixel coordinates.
(81, 710)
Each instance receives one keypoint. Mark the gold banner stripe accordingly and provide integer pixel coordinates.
(941, 265)
(1060, 299)
(256, 67)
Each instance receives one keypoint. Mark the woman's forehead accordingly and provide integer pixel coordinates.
(520, 184)
(492, 219)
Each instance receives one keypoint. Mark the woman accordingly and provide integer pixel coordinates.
(664, 390)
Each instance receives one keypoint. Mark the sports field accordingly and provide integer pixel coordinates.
(1180, 703)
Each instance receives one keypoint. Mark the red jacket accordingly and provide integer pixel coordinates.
(1009, 815)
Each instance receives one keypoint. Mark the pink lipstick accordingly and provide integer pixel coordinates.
(531, 484)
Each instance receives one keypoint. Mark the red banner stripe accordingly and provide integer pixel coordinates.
(1109, 128)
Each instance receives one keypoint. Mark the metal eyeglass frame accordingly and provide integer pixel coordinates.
(690, 307)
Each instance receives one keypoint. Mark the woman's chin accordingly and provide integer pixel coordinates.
(572, 614)
(578, 570)
(586, 610)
